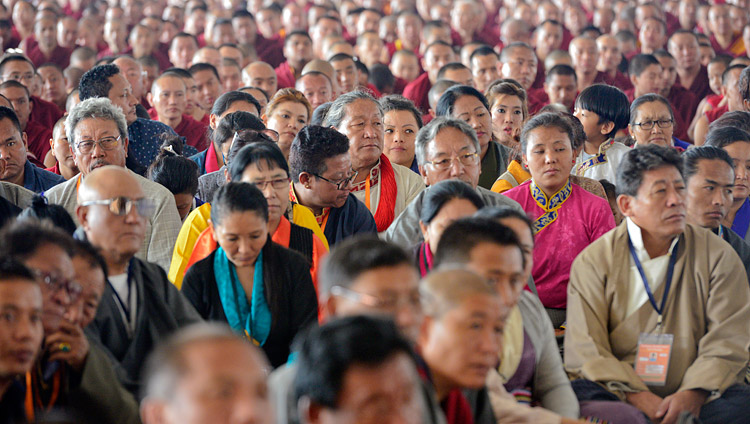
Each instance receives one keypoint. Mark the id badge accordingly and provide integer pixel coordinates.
(652, 358)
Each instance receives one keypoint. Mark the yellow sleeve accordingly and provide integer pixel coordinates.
(305, 218)
(194, 224)
(501, 186)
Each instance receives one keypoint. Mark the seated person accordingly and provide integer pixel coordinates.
(561, 86)
(616, 305)
(357, 368)
(248, 269)
(286, 113)
(709, 174)
(177, 174)
(206, 358)
(65, 164)
(113, 211)
(446, 202)
(469, 105)
(168, 96)
(603, 110)
(321, 174)
(566, 218)
(736, 143)
(402, 122)
(384, 188)
(509, 111)
(37, 135)
(733, 101)
(652, 121)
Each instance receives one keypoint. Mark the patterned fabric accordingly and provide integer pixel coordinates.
(550, 206)
(144, 139)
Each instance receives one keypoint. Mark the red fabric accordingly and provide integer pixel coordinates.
(386, 211)
(212, 161)
(201, 40)
(537, 99)
(700, 86)
(684, 103)
(456, 408)
(399, 85)
(540, 75)
(206, 120)
(55, 169)
(270, 51)
(619, 80)
(153, 114)
(673, 23)
(714, 99)
(714, 114)
(374, 91)
(194, 132)
(68, 10)
(44, 113)
(731, 49)
(417, 91)
(38, 139)
(60, 56)
(285, 76)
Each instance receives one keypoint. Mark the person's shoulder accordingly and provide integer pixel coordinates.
(200, 269)
(55, 193)
(153, 189)
(605, 243)
(47, 175)
(407, 174)
(512, 195)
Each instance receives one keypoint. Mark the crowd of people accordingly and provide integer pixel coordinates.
(360, 211)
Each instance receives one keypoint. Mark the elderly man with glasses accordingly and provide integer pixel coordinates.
(139, 306)
(98, 136)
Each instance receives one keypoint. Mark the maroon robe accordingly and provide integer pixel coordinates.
(270, 51)
(714, 114)
(732, 50)
(285, 76)
(38, 139)
(541, 75)
(537, 99)
(417, 91)
(620, 81)
(60, 56)
(44, 113)
(683, 102)
(700, 86)
(399, 85)
(194, 132)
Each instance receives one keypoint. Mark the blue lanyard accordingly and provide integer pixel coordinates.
(668, 283)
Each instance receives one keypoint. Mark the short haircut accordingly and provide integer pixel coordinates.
(436, 43)
(312, 146)
(546, 120)
(662, 53)
(640, 160)
(725, 75)
(327, 352)
(175, 172)
(14, 269)
(337, 111)
(396, 102)
(443, 192)
(355, 256)
(41, 209)
(451, 96)
(744, 84)
(54, 66)
(610, 103)
(338, 57)
(503, 212)
(14, 57)
(254, 153)
(483, 50)
(381, 77)
(452, 66)
(236, 196)
(21, 239)
(693, 156)
(95, 82)
(319, 114)
(90, 253)
(724, 136)
(233, 123)
(15, 84)
(226, 100)
(296, 33)
(8, 113)
(512, 46)
(463, 235)
(737, 119)
(648, 98)
(100, 108)
(640, 63)
(199, 67)
(184, 35)
(684, 31)
(562, 70)
(228, 61)
(428, 133)
(166, 365)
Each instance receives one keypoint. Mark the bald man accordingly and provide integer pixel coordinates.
(261, 75)
(114, 211)
(316, 87)
(585, 55)
(97, 133)
(133, 72)
(437, 55)
(43, 48)
(169, 97)
(323, 66)
(610, 57)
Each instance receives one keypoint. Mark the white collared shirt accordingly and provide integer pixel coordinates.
(654, 268)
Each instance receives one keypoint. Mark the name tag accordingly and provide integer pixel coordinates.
(652, 358)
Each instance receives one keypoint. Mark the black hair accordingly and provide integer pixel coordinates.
(452, 66)
(294, 33)
(311, 147)
(226, 100)
(662, 53)
(725, 74)
(242, 13)
(254, 153)
(610, 103)
(237, 196)
(361, 67)
(503, 212)
(588, 28)
(250, 87)
(13, 269)
(90, 253)
(339, 57)
(95, 82)
(450, 97)
(640, 62)
(327, 352)
(546, 120)
(609, 189)
(355, 256)
(724, 136)
(23, 238)
(234, 122)
(640, 160)
(744, 84)
(399, 102)
(184, 35)
(319, 114)
(463, 235)
(382, 77)
(180, 72)
(648, 98)
(443, 192)
(724, 59)
(436, 43)
(244, 138)
(562, 70)
(15, 84)
(737, 119)
(198, 67)
(172, 170)
(691, 157)
(14, 57)
(40, 209)
(483, 50)
(8, 113)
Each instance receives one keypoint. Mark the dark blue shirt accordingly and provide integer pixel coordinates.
(145, 142)
(38, 180)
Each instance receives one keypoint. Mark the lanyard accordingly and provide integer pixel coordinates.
(668, 283)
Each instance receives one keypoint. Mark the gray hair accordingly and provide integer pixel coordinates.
(337, 111)
(101, 108)
(166, 364)
(431, 130)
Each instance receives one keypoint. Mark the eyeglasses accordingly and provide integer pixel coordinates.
(106, 143)
(342, 183)
(466, 159)
(649, 125)
(121, 206)
(277, 184)
(57, 283)
(387, 303)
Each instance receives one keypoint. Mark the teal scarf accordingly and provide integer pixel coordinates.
(253, 321)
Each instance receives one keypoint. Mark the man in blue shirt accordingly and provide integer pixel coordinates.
(15, 167)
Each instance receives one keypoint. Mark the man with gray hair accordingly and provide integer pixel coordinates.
(446, 148)
(385, 188)
(98, 135)
(206, 358)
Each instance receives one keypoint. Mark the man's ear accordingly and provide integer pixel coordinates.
(746, 104)
(607, 127)
(424, 176)
(150, 98)
(26, 140)
(82, 214)
(304, 178)
(424, 331)
(625, 203)
(633, 79)
(423, 228)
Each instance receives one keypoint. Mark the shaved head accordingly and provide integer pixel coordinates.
(261, 75)
(106, 182)
(444, 290)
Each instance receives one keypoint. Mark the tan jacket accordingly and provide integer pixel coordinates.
(707, 311)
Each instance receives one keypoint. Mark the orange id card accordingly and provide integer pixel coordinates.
(652, 358)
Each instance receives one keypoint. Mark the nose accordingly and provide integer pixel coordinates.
(248, 409)
(406, 318)
(61, 297)
(740, 173)
(456, 168)
(489, 342)
(549, 157)
(675, 198)
(24, 329)
(507, 294)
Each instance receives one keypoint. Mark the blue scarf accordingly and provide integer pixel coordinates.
(742, 219)
(252, 321)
